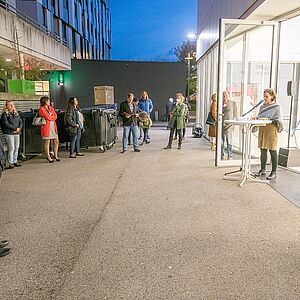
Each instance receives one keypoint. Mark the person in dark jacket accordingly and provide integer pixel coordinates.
(11, 125)
(129, 113)
(169, 106)
(74, 126)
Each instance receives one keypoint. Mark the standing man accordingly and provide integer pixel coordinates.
(129, 112)
(145, 104)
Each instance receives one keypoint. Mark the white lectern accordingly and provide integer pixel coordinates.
(247, 126)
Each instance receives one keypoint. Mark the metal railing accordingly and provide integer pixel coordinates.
(13, 10)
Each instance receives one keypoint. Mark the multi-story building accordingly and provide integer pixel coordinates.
(85, 25)
(244, 47)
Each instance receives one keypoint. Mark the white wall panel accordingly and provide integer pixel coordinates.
(209, 13)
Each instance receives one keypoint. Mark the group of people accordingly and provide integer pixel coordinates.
(73, 124)
(12, 125)
(136, 114)
(267, 137)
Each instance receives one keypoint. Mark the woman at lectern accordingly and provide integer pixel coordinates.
(268, 135)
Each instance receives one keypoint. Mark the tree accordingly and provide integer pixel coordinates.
(181, 52)
(34, 70)
(186, 50)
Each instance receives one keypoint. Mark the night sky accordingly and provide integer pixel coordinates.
(149, 29)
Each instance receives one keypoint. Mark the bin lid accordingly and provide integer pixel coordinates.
(91, 109)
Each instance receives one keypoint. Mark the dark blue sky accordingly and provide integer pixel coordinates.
(149, 29)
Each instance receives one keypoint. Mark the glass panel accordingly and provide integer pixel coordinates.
(290, 71)
(258, 60)
(246, 73)
(286, 73)
(234, 79)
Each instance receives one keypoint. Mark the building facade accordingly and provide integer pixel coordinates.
(84, 25)
(244, 47)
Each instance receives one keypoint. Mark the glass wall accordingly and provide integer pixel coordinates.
(290, 71)
(207, 85)
(247, 72)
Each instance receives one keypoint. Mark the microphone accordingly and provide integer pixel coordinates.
(259, 103)
(255, 106)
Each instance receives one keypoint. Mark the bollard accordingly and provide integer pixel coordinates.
(156, 115)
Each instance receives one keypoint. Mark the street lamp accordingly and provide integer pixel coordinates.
(188, 58)
(193, 37)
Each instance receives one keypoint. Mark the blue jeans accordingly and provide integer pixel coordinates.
(135, 132)
(227, 138)
(13, 142)
(75, 143)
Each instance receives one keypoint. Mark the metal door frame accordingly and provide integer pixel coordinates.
(273, 73)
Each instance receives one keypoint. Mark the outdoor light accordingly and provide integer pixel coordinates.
(61, 79)
(192, 36)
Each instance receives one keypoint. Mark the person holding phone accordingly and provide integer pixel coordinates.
(11, 125)
(129, 112)
(49, 130)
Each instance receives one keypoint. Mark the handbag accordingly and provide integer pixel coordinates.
(38, 121)
(210, 120)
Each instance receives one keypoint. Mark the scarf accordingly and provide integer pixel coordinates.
(273, 112)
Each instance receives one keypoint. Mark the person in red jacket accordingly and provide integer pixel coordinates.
(49, 131)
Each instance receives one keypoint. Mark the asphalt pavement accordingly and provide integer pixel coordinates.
(159, 224)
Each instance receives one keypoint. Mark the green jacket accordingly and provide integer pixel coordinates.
(178, 116)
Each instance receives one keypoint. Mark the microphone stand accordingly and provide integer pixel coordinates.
(249, 111)
(243, 115)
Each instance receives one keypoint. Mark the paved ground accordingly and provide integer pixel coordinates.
(152, 225)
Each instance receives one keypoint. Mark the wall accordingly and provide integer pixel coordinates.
(209, 13)
(162, 80)
(32, 41)
(87, 24)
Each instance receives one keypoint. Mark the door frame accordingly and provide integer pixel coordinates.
(273, 73)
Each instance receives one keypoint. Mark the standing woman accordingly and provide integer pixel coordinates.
(11, 125)
(74, 126)
(229, 112)
(268, 135)
(177, 120)
(145, 104)
(211, 128)
(49, 131)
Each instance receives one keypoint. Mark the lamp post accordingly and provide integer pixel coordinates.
(188, 58)
(193, 37)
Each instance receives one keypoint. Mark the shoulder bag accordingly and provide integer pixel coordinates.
(210, 120)
(38, 121)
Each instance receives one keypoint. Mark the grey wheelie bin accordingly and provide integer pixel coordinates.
(110, 116)
(30, 140)
(94, 125)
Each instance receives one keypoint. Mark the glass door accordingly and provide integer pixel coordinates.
(248, 60)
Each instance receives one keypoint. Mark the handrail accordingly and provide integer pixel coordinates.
(12, 9)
